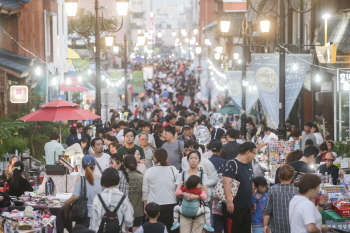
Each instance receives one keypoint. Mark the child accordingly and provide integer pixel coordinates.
(193, 186)
(152, 211)
(259, 202)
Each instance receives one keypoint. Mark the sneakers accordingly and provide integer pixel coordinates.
(175, 226)
(208, 228)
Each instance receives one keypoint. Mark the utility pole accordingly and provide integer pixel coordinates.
(98, 64)
(126, 72)
(244, 77)
(282, 80)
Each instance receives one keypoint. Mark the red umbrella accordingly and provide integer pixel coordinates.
(59, 103)
(72, 88)
(59, 114)
(73, 85)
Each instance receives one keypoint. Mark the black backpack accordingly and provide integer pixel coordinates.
(110, 221)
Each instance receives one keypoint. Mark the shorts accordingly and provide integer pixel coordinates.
(138, 221)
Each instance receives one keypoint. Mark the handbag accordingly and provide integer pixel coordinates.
(219, 193)
(79, 210)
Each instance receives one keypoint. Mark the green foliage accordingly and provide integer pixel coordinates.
(37, 145)
(342, 148)
(10, 145)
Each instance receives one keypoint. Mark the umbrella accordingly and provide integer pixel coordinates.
(59, 110)
(74, 85)
(229, 109)
(255, 112)
(138, 59)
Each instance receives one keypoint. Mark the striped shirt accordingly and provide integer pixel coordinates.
(277, 206)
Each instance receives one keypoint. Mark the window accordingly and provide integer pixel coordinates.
(138, 15)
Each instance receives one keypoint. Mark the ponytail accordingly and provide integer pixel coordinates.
(89, 173)
(18, 168)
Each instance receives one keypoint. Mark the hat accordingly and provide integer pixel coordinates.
(329, 155)
(216, 146)
(88, 160)
(186, 126)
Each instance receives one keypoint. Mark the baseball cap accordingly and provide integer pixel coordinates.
(88, 160)
(186, 126)
(216, 146)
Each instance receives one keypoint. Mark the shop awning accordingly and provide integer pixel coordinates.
(9, 7)
(19, 66)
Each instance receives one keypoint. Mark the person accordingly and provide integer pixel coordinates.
(277, 204)
(171, 120)
(140, 167)
(135, 190)
(18, 184)
(53, 148)
(76, 151)
(186, 134)
(146, 129)
(302, 211)
(193, 186)
(115, 117)
(240, 169)
(230, 149)
(92, 184)
(9, 170)
(302, 165)
(291, 157)
(179, 127)
(295, 136)
(120, 134)
(102, 159)
(159, 135)
(268, 138)
(215, 159)
(87, 134)
(129, 138)
(149, 151)
(223, 140)
(79, 128)
(259, 203)
(330, 168)
(193, 225)
(113, 147)
(116, 161)
(160, 188)
(252, 130)
(147, 116)
(111, 196)
(173, 147)
(316, 131)
(152, 210)
(307, 134)
(73, 137)
(330, 146)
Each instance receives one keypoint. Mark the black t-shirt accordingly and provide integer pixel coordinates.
(245, 176)
(300, 168)
(159, 142)
(157, 227)
(230, 150)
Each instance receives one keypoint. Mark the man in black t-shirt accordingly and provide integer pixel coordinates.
(303, 165)
(240, 169)
(230, 149)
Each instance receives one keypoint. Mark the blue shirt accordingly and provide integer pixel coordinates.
(258, 216)
(165, 94)
(217, 161)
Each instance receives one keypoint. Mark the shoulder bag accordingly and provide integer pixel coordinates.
(79, 211)
(219, 193)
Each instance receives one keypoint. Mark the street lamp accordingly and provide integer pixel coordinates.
(115, 49)
(183, 32)
(195, 31)
(109, 41)
(173, 34)
(122, 9)
(326, 17)
(207, 42)
(159, 34)
(141, 39)
(236, 56)
(198, 50)
(217, 56)
(225, 24)
(265, 26)
(219, 50)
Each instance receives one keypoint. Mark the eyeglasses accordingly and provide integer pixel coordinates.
(329, 160)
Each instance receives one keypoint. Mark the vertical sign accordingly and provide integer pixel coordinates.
(266, 70)
(138, 82)
(234, 86)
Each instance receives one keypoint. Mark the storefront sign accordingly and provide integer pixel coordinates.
(343, 81)
(19, 94)
(266, 70)
(295, 78)
(138, 82)
(147, 72)
(326, 86)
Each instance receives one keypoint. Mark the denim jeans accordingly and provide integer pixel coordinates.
(258, 229)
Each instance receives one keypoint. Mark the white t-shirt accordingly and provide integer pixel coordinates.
(103, 162)
(319, 138)
(302, 212)
(267, 138)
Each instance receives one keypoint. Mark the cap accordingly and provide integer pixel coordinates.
(216, 146)
(88, 160)
(186, 126)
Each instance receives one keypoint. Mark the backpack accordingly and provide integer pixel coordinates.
(110, 221)
(189, 209)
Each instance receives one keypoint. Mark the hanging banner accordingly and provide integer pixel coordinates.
(138, 82)
(251, 94)
(266, 70)
(80, 63)
(147, 72)
(234, 87)
(296, 71)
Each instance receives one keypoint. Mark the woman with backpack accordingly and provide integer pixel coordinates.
(135, 190)
(112, 202)
(196, 224)
(116, 162)
(93, 187)
(159, 187)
